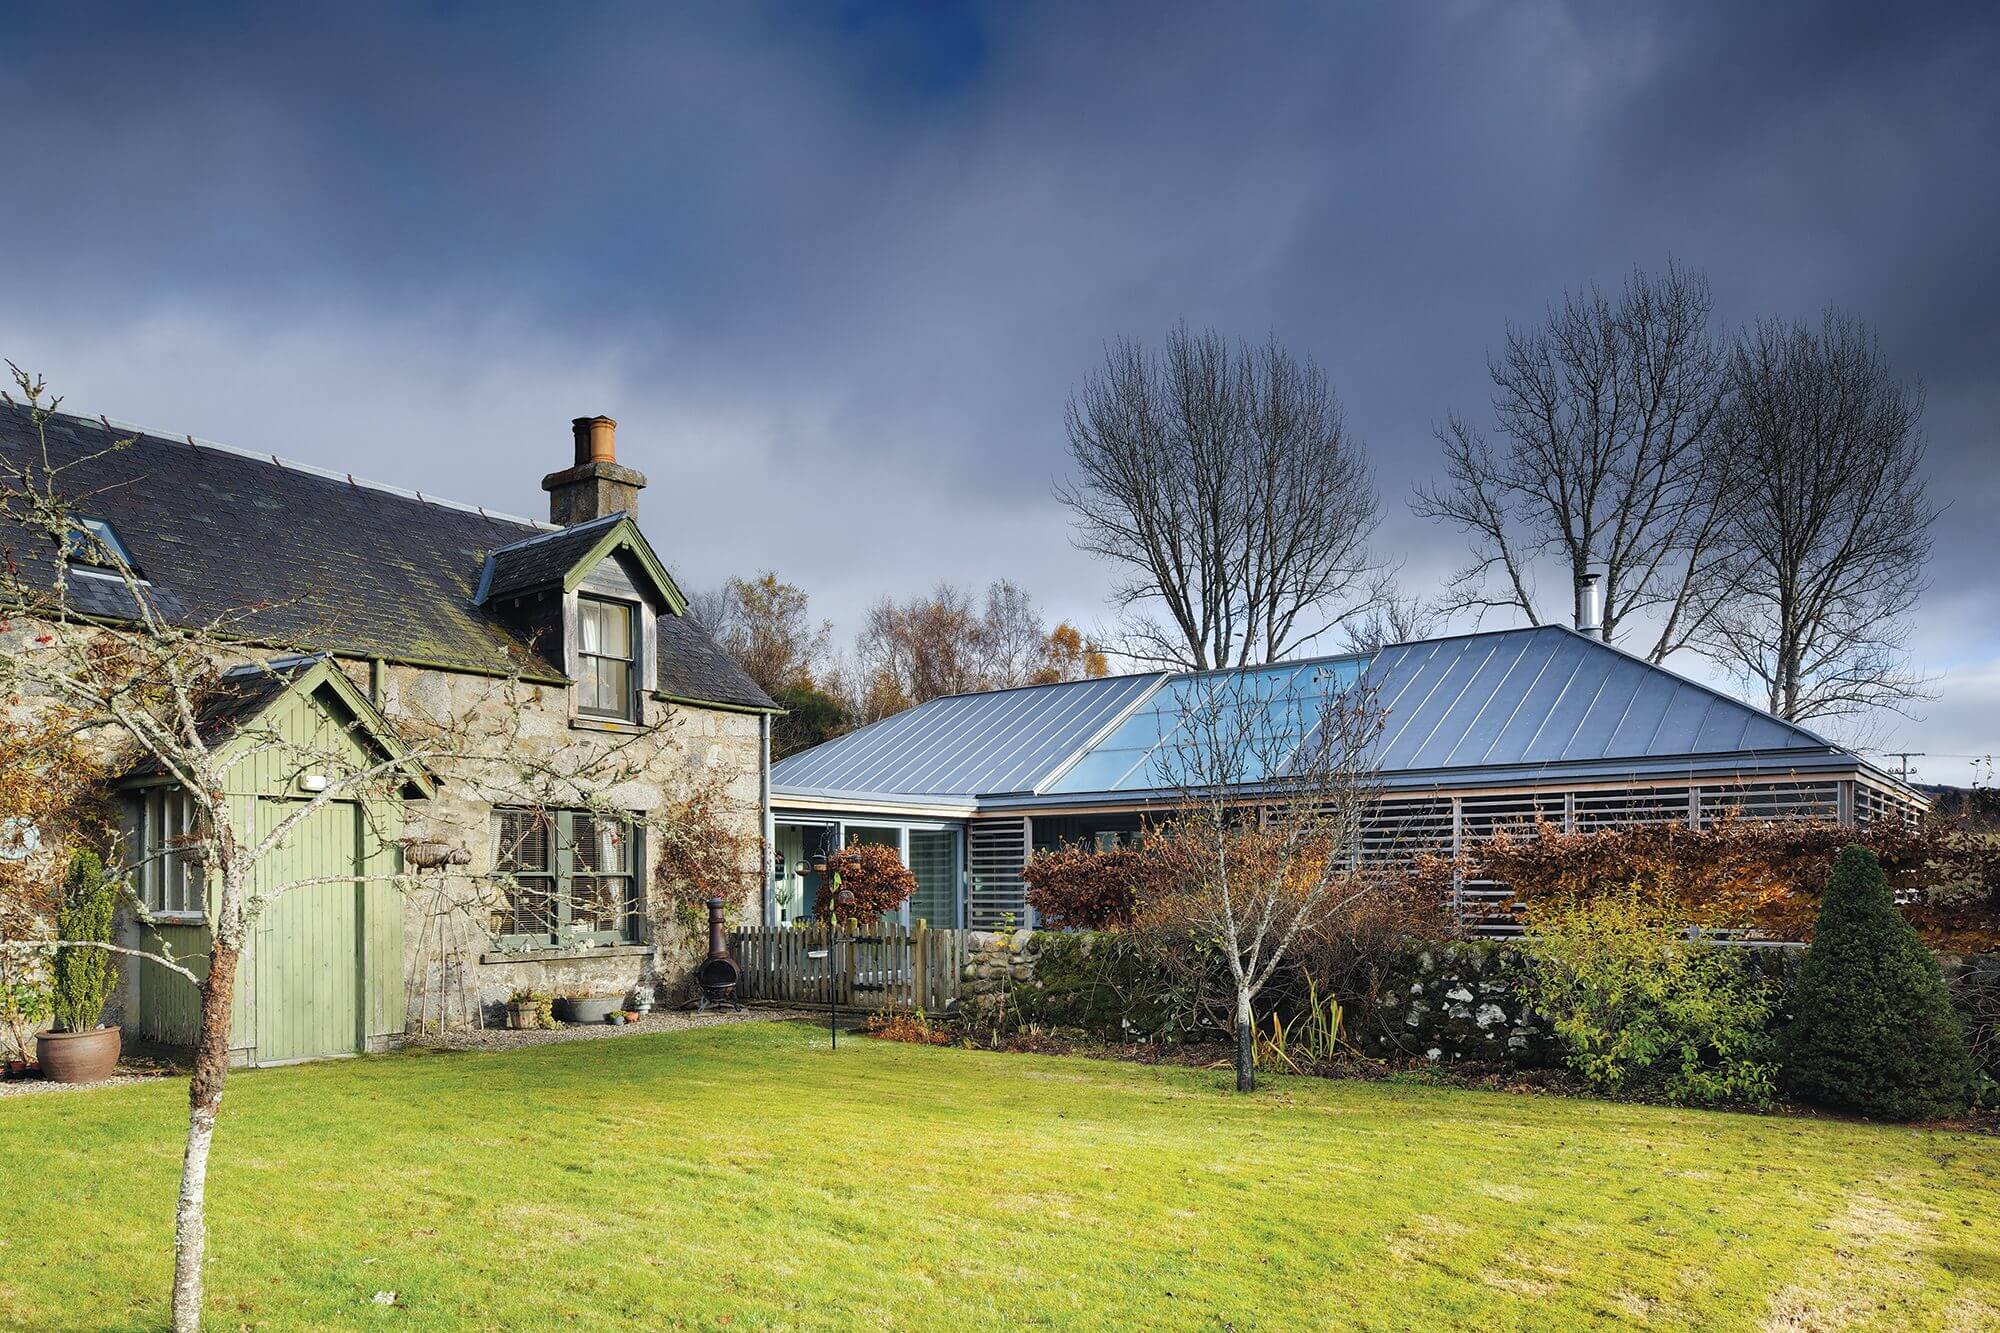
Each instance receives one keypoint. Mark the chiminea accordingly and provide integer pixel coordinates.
(718, 971)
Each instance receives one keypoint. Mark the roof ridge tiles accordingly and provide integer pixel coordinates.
(293, 465)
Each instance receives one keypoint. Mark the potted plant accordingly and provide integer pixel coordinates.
(580, 1006)
(529, 1010)
(79, 1050)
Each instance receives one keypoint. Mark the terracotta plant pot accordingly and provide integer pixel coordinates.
(79, 1057)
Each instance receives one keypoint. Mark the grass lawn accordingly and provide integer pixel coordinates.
(745, 1176)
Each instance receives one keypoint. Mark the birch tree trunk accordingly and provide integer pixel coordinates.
(211, 1066)
(1246, 1055)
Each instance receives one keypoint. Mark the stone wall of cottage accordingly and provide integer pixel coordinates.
(454, 975)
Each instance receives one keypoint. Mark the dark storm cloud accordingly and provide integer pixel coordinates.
(849, 260)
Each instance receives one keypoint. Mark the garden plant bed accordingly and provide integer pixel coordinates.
(1471, 1076)
(676, 1181)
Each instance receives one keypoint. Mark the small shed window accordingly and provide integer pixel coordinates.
(606, 659)
(565, 877)
(167, 879)
(94, 545)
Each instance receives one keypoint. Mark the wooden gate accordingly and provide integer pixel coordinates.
(889, 966)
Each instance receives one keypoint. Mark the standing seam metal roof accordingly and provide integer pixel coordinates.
(968, 744)
(1538, 698)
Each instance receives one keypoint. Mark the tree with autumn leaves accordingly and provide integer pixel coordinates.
(908, 652)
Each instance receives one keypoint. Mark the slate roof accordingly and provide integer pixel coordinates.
(1500, 706)
(537, 561)
(295, 556)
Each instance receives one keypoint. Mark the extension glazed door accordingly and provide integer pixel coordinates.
(308, 980)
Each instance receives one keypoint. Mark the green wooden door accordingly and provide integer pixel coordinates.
(309, 952)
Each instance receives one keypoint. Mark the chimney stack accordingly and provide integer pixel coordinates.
(596, 484)
(1590, 606)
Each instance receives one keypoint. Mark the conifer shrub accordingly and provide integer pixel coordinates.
(82, 978)
(1873, 1027)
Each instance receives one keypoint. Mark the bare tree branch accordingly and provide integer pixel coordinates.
(1823, 465)
(1223, 483)
(1607, 412)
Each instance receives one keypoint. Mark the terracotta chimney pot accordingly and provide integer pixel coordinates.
(597, 484)
(596, 440)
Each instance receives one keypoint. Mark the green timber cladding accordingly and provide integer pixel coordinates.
(322, 973)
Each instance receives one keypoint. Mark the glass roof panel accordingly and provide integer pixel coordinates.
(1270, 705)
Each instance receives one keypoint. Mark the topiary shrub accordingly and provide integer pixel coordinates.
(81, 979)
(1873, 1029)
(1641, 1009)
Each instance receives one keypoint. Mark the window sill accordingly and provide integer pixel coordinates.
(566, 953)
(176, 918)
(611, 724)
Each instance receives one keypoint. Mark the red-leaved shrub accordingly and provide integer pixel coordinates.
(874, 874)
(1764, 873)
(1075, 889)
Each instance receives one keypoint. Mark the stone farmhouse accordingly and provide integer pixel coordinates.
(357, 605)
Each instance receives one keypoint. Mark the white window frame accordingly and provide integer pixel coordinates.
(169, 882)
(635, 662)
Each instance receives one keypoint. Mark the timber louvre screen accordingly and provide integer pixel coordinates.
(996, 849)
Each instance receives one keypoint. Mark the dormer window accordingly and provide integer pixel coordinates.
(607, 657)
(93, 546)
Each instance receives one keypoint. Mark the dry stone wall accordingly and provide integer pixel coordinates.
(1465, 1000)
(998, 964)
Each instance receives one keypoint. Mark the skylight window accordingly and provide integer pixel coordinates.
(1277, 703)
(94, 545)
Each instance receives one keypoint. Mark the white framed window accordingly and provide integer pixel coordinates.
(167, 879)
(607, 651)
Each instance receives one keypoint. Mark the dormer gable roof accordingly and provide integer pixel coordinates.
(562, 559)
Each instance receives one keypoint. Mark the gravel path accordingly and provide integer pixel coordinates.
(21, 1087)
(488, 1039)
(500, 1039)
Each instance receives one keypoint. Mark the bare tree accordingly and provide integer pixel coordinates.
(1396, 619)
(1607, 414)
(1224, 484)
(915, 651)
(1273, 779)
(140, 684)
(1013, 640)
(1823, 465)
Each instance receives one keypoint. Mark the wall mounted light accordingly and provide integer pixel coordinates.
(314, 782)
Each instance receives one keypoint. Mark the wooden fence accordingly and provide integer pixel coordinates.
(888, 966)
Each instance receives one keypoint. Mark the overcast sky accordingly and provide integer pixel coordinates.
(835, 269)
